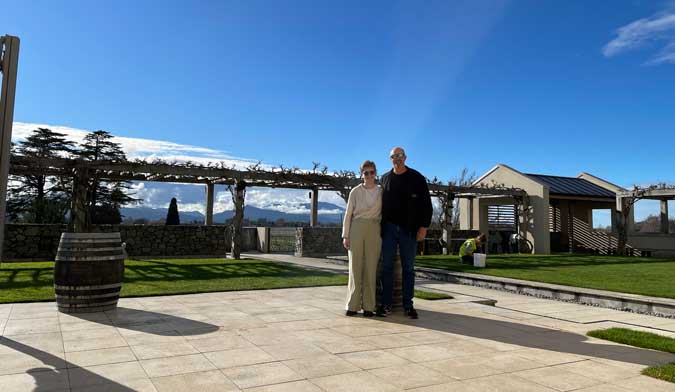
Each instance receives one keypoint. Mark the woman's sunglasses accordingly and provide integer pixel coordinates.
(369, 172)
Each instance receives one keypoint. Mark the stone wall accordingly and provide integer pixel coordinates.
(319, 242)
(327, 241)
(40, 242)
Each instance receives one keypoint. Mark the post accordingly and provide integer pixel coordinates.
(621, 218)
(208, 220)
(237, 221)
(79, 213)
(570, 225)
(9, 62)
(664, 216)
(447, 224)
(314, 217)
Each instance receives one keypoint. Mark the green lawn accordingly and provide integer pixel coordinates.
(636, 275)
(431, 296)
(20, 282)
(644, 340)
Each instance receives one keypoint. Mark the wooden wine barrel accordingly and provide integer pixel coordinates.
(88, 272)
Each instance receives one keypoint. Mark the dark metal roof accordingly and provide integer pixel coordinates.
(571, 186)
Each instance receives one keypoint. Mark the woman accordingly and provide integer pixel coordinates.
(361, 237)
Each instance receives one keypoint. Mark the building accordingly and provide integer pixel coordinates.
(557, 215)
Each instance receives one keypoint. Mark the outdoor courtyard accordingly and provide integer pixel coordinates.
(299, 340)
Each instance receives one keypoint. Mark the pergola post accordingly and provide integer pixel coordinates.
(314, 217)
(238, 219)
(664, 216)
(447, 224)
(208, 220)
(79, 213)
(9, 62)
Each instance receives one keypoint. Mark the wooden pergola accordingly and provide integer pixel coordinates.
(212, 174)
(625, 202)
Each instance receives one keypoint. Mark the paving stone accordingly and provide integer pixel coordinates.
(210, 381)
(100, 357)
(261, 374)
(238, 357)
(44, 380)
(149, 351)
(294, 386)
(105, 374)
(410, 376)
(219, 342)
(320, 366)
(558, 379)
(373, 359)
(176, 365)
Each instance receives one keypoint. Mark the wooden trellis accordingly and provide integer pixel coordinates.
(218, 173)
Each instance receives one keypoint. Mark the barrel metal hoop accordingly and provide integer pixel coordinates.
(88, 288)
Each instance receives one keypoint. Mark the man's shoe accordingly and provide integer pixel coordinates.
(368, 313)
(411, 313)
(350, 313)
(380, 311)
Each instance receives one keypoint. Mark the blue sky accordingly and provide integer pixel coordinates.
(554, 87)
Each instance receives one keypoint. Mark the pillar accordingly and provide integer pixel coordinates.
(9, 64)
(314, 217)
(208, 220)
(664, 216)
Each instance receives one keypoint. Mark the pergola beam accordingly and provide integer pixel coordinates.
(163, 172)
(667, 193)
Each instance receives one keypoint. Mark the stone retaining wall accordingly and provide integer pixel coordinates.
(318, 242)
(40, 242)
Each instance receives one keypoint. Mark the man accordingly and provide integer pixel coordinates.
(406, 215)
(469, 247)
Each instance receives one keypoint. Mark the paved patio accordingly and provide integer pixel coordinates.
(298, 340)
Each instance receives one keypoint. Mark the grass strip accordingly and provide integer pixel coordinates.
(664, 372)
(431, 296)
(636, 338)
(644, 340)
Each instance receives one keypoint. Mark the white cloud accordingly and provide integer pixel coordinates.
(140, 148)
(656, 28)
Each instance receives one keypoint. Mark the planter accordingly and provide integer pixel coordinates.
(88, 272)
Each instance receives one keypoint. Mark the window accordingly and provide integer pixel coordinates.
(602, 220)
(647, 216)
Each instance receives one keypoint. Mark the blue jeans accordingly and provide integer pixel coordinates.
(393, 235)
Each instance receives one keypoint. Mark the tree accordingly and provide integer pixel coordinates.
(40, 198)
(172, 217)
(104, 198)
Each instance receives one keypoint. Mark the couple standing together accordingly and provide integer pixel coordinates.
(380, 218)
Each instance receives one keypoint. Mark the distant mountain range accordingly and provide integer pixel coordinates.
(251, 213)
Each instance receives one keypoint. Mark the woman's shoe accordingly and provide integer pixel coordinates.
(350, 313)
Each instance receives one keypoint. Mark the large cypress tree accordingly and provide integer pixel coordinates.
(38, 197)
(105, 198)
(172, 217)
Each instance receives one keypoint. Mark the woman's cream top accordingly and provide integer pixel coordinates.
(362, 204)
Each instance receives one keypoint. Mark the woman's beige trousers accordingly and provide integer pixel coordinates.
(365, 245)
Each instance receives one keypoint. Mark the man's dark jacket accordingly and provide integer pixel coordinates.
(405, 200)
